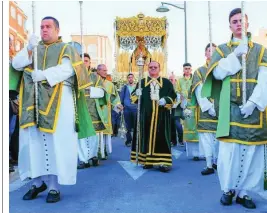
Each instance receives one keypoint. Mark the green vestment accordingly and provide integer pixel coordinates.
(112, 99)
(49, 97)
(232, 127)
(190, 124)
(205, 122)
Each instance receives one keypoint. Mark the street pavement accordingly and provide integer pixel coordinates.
(117, 186)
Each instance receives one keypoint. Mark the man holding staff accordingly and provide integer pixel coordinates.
(242, 128)
(50, 151)
(157, 98)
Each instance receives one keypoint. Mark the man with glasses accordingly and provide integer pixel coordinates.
(157, 96)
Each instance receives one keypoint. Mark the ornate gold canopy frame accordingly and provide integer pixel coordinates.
(139, 35)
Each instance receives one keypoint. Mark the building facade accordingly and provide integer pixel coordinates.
(17, 32)
(261, 38)
(98, 47)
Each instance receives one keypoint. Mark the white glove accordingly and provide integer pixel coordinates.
(118, 108)
(175, 105)
(138, 92)
(184, 103)
(187, 113)
(241, 49)
(33, 42)
(178, 97)
(247, 109)
(96, 92)
(38, 75)
(212, 111)
(162, 102)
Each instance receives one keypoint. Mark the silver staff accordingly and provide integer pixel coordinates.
(140, 64)
(210, 27)
(244, 70)
(35, 67)
(81, 23)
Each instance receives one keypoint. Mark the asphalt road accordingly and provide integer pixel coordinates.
(117, 186)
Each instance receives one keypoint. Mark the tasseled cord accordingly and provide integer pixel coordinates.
(77, 126)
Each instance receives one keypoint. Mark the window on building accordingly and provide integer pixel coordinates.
(20, 20)
(25, 25)
(92, 50)
(11, 43)
(11, 37)
(18, 46)
(84, 48)
(13, 12)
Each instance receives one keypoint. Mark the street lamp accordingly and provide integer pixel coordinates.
(163, 9)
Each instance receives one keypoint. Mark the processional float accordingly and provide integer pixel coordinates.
(139, 35)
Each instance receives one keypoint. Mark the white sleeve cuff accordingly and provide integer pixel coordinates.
(59, 73)
(183, 103)
(116, 109)
(258, 96)
(21, 60)
(204, 103)
(96, 92)
(226, 67)
(178, 97)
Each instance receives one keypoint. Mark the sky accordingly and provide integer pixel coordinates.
(99, 17)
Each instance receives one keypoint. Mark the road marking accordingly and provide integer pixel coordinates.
(176, 153)
(134, 171)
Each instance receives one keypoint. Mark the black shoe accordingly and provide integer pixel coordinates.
(53, 196)
(95, 161)
(227, 198)
(214, 166)
(164, 168)
(246, 201)
(196, 159)
(81, 165)
(128, 143)
(106, 156)
(207, 171)
(148, 167)
(181, 143)
(34, 191)
(11, 168)
(13, 162)
(173, 144)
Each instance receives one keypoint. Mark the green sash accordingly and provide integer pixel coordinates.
(14, 78)
(86, 128)
(223, 127)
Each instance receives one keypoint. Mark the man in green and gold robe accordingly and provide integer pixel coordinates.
(206, 116)
(48, 149)
(189, 113)
(242, 128)
(112, 101)
(95, 100)
(157, 97)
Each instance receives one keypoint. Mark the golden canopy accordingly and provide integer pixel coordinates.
(140, 34)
